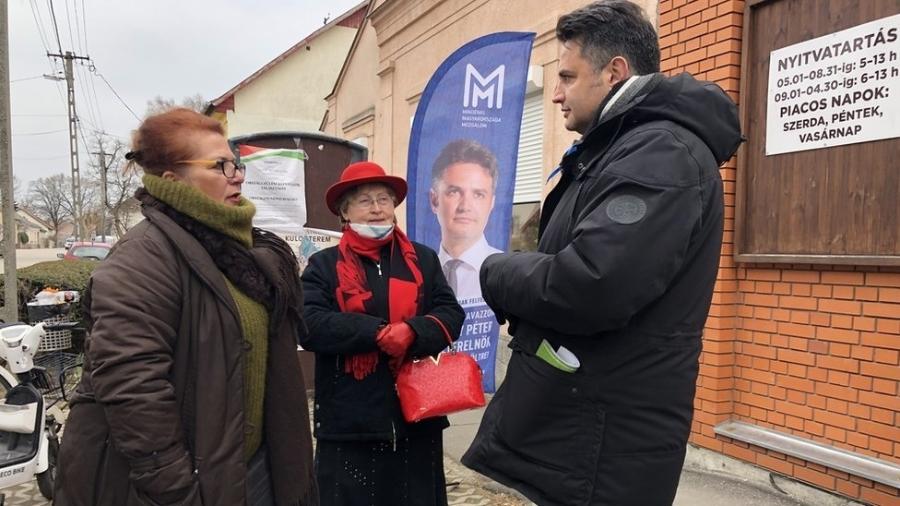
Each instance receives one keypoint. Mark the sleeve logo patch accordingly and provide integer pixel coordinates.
(626, 209)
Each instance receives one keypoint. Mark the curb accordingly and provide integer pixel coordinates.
(701, 460)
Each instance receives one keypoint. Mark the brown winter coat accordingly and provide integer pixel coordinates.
(158, 417)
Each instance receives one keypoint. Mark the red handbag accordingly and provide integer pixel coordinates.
(438, 386)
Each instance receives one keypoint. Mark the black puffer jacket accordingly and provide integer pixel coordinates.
(628, 255)
(368, 409)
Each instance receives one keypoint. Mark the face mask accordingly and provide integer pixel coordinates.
(372, 231)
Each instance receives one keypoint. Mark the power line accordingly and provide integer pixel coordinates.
(116, 94)
(73, 37)
(55, 25)
(40, 133)
(39, 25)
(91, 94)
(85, 95)
(25, 79)
(40, 157)
(75, 49)
(84, 24)
(89, 97)
(77, 24)
(96, 100)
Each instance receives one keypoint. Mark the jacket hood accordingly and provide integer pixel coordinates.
(701, 107)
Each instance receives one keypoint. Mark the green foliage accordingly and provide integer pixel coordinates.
(61, 274)
(23, 238)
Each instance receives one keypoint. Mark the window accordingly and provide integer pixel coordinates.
(526, 217)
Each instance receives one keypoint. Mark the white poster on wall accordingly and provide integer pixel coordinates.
(274, 183)
(841, 88)
(309, 241)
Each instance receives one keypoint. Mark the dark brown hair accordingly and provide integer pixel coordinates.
(162, 139)
(611, 28)
(464, 151)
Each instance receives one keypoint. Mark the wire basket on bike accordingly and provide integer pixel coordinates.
(63, 372)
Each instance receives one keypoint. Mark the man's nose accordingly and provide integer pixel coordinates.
(463, 203)
(558, 95)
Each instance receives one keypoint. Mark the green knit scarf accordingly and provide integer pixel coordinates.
(235, 222)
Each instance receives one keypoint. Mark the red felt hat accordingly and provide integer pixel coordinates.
(362, 173)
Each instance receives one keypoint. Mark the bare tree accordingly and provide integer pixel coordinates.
(121, 182)
(89, 204)
(159, 104)
(47, 200)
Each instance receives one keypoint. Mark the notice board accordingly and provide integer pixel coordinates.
(818, 179)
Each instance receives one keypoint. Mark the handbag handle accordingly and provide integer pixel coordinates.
(441, 325)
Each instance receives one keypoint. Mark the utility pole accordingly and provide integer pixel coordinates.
(10, 310)
(67, 58)
(103, 169)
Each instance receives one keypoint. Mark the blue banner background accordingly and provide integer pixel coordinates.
(441, 117)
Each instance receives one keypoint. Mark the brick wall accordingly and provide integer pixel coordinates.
(812, 351)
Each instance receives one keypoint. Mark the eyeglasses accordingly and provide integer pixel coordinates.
(229, 168)
(366, 201)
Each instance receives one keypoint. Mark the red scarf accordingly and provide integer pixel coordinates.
(353, 293)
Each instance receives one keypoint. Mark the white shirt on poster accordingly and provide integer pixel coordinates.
(467, 283)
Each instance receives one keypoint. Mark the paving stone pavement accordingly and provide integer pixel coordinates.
(467, 488)
(27, 494)
(462, 490)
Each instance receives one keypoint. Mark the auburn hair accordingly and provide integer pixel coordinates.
(162, 139)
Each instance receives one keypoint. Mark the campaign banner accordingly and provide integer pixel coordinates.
(274, 183)
(462, 170)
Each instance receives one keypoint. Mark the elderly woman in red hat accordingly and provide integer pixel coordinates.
(370, 302)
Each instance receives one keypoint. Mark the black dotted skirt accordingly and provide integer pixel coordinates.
(366, 473)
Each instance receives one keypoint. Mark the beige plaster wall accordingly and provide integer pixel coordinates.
(291, 94)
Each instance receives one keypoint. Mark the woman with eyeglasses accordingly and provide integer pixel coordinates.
(371, 302)
(192, 392)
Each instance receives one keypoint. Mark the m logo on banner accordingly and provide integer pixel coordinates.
(488, 88)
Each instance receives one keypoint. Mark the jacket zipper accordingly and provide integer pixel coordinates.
(393, 435)
(378, 264)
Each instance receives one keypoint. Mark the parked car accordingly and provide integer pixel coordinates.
(69, 241)
(86, 251)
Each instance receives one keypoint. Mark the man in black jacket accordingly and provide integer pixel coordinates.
(607, 316)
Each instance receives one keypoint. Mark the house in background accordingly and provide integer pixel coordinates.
(288, 93)
(38, 233)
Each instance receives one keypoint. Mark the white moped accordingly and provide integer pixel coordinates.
(29, 429)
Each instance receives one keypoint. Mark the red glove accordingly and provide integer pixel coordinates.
(361, 365)
(394, 339)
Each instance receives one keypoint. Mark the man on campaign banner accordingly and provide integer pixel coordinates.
(462, 170)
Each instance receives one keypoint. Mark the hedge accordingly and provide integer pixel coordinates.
(61, 274)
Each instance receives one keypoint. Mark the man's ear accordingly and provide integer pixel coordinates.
(619, 70)
(433, 199)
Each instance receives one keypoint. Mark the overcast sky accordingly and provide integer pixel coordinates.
(144, 48)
